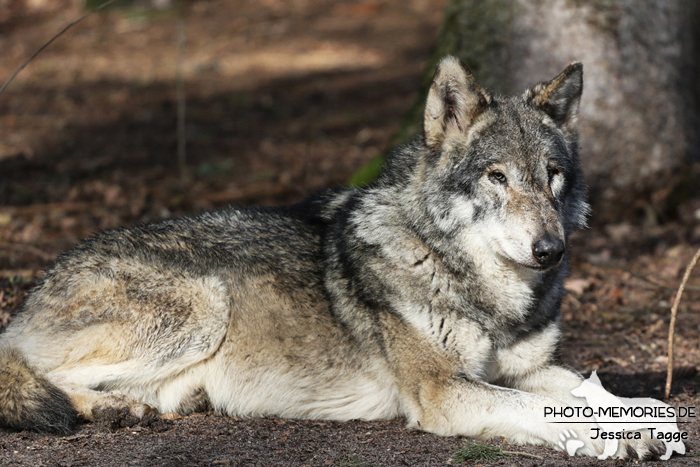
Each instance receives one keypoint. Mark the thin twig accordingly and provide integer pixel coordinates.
(657, 284)
(672, 325)
(649, 280)
(525, 454)
(40, 49)
(181, 101)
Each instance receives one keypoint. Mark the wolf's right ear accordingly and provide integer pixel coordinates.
(454, 101)
(560, 97)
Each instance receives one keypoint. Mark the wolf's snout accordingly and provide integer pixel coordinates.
(548, 251)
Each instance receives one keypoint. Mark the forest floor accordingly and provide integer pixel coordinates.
(284, 97)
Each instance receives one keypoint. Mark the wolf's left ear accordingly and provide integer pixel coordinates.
(454, 101)
(560, 97)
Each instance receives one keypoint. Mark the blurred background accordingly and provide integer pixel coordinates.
(286, 97)
(282, 98)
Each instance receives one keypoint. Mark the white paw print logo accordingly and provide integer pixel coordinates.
(570, 442)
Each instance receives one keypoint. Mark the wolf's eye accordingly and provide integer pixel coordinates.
(497, 177)
(551, 172)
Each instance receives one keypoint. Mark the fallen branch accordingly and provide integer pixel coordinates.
(231, 195)
(672, 325)
(27, 249)
(25, 273)
(33, 209)
(257, 190)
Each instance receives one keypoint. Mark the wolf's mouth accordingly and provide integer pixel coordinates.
(541, 268)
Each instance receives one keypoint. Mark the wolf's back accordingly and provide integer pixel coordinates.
(28, 400)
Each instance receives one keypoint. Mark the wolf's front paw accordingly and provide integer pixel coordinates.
(645, 448)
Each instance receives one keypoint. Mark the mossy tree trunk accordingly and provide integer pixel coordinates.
(640, 112)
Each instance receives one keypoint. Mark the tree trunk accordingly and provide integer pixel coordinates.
(640, 111)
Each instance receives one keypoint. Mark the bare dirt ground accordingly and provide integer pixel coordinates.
(283, 98)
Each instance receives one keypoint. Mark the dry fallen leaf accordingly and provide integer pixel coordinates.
(578, 286)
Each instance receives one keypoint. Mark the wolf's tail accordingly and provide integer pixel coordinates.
(28, 401)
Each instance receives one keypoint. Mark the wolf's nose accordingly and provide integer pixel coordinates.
(548, 251)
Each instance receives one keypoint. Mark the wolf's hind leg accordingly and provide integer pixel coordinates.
(119, 410)
(84, 387)
(135, 388)
(149, 354)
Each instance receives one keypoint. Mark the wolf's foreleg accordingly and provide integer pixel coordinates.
(438, 397)
(470, 407)
(557, 383)
(550, 381)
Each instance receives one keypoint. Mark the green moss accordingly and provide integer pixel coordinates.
(369, 172)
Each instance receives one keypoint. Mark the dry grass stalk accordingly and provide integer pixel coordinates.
(46, 44)
(672, 325)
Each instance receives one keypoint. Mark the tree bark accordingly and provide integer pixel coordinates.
(640, 112)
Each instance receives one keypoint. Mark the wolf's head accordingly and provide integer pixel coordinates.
(502, 173)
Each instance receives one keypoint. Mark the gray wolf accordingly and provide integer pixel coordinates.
(598, 398)
(433, 294)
